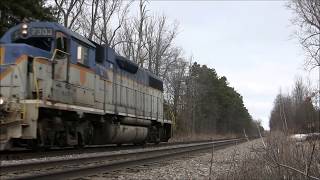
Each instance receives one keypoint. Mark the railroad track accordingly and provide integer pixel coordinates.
(21, 154)
(94, 163)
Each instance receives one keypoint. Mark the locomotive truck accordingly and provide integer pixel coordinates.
(59, 89)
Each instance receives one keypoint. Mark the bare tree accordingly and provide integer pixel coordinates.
(132, 36)
(88, 19)
(295, 112)
(159, 43)
(114, 14)
(94, 17)
(102, 20)
(127, 41)
(308, 20)
(175, 81)
(139, 24)
(148, 40)
(68, 11)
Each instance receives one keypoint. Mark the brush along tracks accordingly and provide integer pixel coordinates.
(93, 163)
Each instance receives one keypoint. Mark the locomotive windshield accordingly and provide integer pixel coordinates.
(44, 43)
(40, 37)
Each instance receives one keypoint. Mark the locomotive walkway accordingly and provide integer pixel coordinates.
(94, 163)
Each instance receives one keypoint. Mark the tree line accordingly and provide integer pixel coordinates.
(196, 98)
(297, 112)
(205, 103)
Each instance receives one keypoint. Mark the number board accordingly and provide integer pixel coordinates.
(41, 31)
(34, 32)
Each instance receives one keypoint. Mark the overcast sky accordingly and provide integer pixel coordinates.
(249, 42)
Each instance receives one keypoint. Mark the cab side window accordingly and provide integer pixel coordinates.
(62, 45)
(83, 55)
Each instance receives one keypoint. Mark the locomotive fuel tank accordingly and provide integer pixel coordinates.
(135, 121)
(120, 134)
(110, 132)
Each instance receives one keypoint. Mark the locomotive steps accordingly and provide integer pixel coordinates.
(73, 167)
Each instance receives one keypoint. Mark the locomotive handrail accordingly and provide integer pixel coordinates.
(58, 50)
(35, 81)
(11, 64)
(34, 71)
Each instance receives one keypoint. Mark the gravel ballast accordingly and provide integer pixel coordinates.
(195, 166)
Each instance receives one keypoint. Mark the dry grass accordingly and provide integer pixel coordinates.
(279, 158)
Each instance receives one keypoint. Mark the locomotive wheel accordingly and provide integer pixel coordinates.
(157, 141)
(140, 143)
(37, 144)
(60, 138)
(80, 144)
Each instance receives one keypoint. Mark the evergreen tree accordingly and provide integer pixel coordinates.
(217, 107)
(13, 12)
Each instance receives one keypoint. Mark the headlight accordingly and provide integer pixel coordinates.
(24, 29)
(1, 100)
(24, 26)
(24, 32)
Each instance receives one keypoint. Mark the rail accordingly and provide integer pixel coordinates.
(95, 163)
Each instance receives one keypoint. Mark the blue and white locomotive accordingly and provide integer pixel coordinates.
(57, 88)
